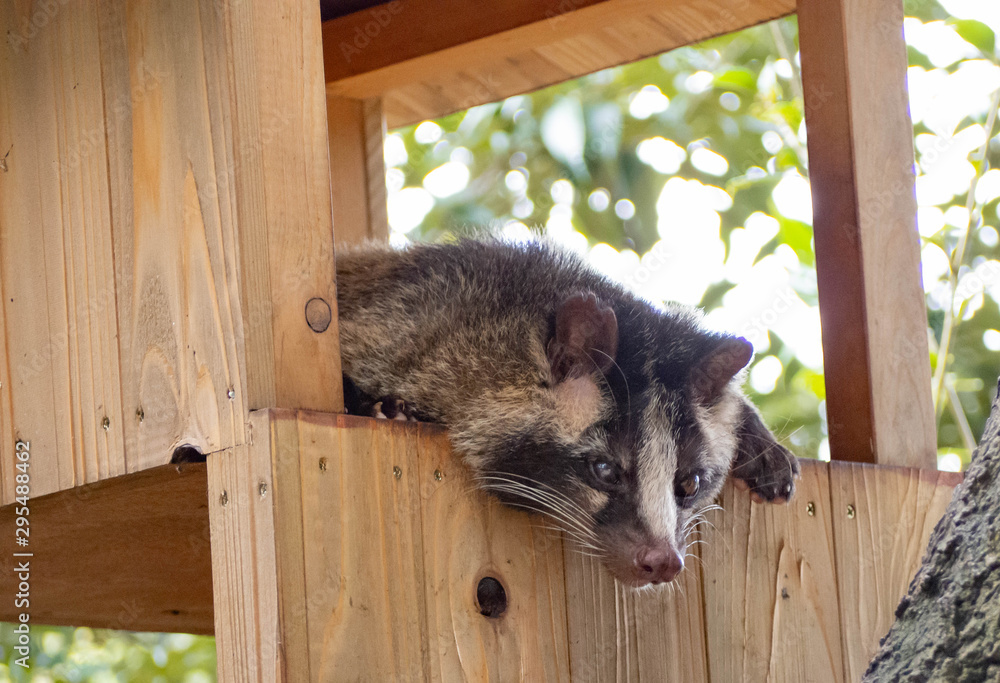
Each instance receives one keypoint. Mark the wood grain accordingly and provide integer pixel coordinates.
(620, 634)
(467, 537)
(771, 602)
(357, 167)
(129, 553)
(249, 642)
(282, 202)
(880, 547)
(872, 306)
(174, 230)
(59, 348)
(428, 58)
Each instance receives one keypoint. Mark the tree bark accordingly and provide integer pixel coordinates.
(948, 625)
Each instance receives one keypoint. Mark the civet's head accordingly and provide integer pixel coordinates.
(631, 432)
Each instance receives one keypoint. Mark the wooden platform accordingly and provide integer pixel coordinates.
(427, 58)
(394, 561)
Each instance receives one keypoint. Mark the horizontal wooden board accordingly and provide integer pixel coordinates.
(428, 58)
(130, 553)
(359, 544)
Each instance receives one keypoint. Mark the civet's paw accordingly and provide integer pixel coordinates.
(762, 466)
(770, 476)
(394, 408)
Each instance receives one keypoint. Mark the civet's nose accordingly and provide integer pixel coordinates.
(657, 564)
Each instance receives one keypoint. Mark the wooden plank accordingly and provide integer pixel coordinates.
(174, 229)
(467, 537)
(244, 562)
(431, 57)
(872, 307)
(620, 634)
(59, 352)
(357, 170)
(329, 557)
(283, 206)
(771, 602)
(128, 553)
(880, 546)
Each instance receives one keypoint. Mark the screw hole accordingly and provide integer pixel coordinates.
(492, 598)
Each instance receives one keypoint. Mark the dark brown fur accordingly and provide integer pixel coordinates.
(563, 392)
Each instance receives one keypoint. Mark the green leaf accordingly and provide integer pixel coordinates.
(739, 79)
(977, 33)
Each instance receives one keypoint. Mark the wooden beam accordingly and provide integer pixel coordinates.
(357, 170)
(867, 248)
(432, 57)
(129, 553)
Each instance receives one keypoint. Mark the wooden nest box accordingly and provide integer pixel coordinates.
(167, 233)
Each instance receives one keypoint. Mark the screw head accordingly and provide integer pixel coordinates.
(262, 489)
(140, 415)
(811, 509)
(224, 498)
(851, 512)
(106, 423)
(322, 464)
(396, 472)
(438, 475)
(231, 393)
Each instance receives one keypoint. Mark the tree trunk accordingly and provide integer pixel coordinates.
(948, 624)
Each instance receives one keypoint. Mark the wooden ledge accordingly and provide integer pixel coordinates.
(128, 553)
(428, 58)
(377, 539)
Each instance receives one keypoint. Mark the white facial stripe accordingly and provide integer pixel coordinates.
(657, 463)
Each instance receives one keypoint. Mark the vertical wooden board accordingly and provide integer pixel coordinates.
(60, 367)
(169, 129)
(468, 536)
(770, 585)
(283, 205)
(622, 634)
(244, 570)
(880, 547)
(364, 616)
(357, 170)
(872, 307)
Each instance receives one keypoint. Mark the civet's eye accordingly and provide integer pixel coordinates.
(687, 488)
(605, 472)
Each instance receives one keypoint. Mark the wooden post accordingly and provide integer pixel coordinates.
(867, 248)
(357, 169)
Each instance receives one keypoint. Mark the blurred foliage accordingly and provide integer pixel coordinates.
(64, 654)
(740, 98)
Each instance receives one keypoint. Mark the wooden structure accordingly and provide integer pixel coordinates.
(171, 178)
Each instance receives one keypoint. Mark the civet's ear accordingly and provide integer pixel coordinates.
(585, 337)
(715, 370)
